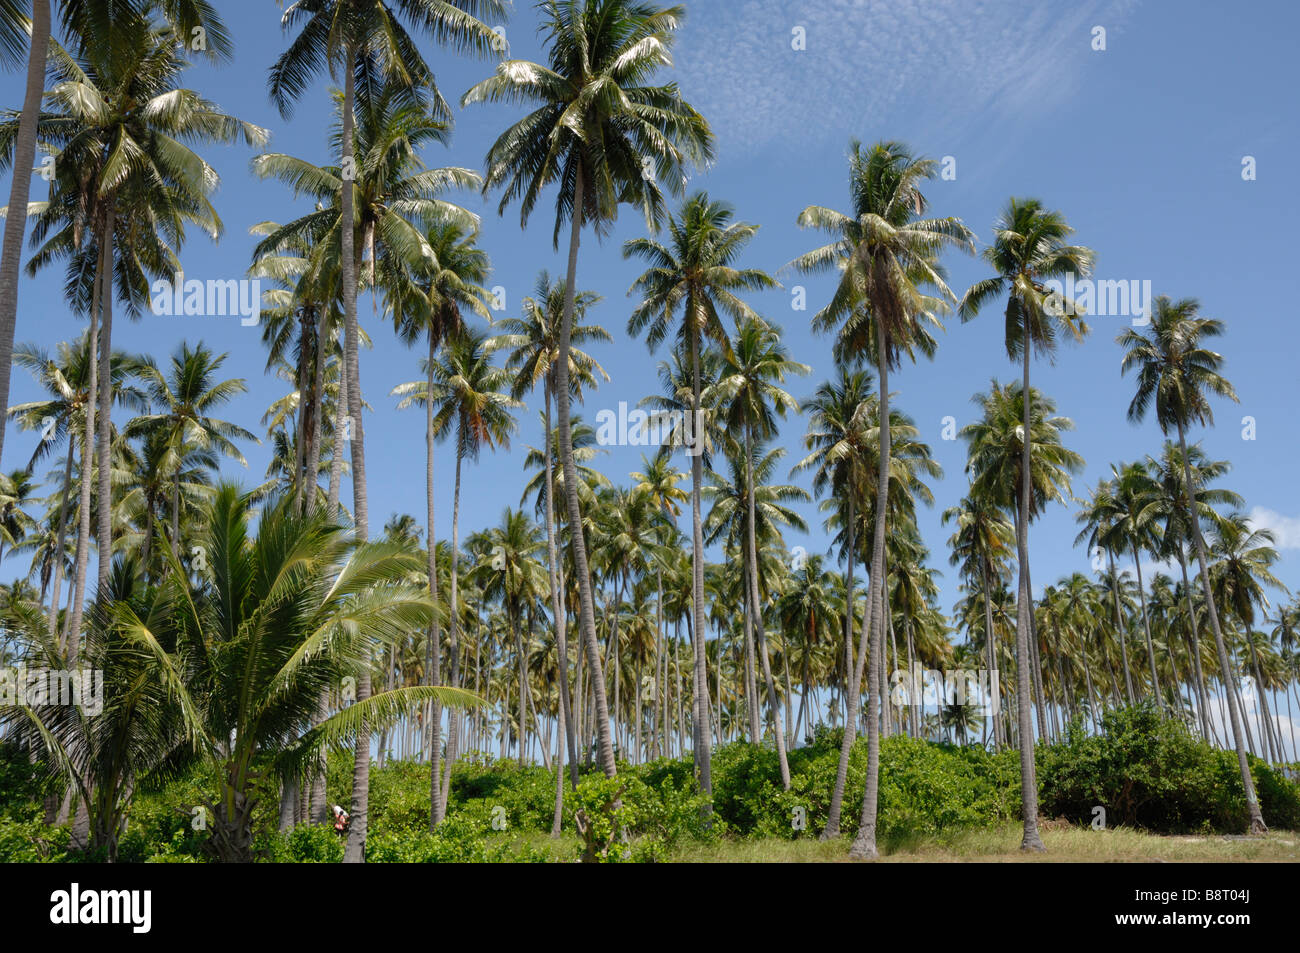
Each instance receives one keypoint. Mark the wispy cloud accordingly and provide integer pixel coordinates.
(1285, 528)
(868, 63)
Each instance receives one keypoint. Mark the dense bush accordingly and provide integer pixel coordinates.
(1147, 771)
(1150, 772)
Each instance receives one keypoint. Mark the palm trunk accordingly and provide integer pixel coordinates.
(586, 604)
(1196, 645)
(453, 628)
(336, 459)
(104, 417)
(1119, 627)
(19, 193)
(557, 597)
(759, 630)
(61, 537)
(433, 647)
(318, 412)
(1146, 629)
(354, 852)
(1024, 602)
(864, 844)
(304, 405)
(990, 652)
(703, 729)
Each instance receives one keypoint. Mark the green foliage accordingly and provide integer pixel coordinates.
(1150, 772)
(304, 844)
(32, 842)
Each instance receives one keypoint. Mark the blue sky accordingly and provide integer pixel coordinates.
(1140, 145)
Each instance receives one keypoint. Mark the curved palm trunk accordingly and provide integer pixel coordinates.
(19, 192)
(1024, 606)
(336, 458)
(433, 645)
(864, 844)
(1257, 825)
(586, 604)
(566, 726)
(104, 417)
(703, 729)
(752, 554)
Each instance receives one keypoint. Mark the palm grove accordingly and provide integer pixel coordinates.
(257, 630)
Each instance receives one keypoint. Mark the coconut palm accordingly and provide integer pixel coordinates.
(1029, 248)
(751, 401)
(606, 139)
(1177, 373)
(887, 258)
(533, 343)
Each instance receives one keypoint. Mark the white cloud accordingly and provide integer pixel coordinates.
(864, 61)
(1285, 528)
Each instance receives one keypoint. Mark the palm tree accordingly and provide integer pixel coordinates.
(184, 399)
(1177, 372)
(453, 283)
(533, 342)
(365, 40)
(606, 139)
(1029, 248)
(754, 366)
(1135, 528)
(697, 272)
(1098, 517)
(981, 545)
(87, 25)
(126, 176)
(1171, 504)
(468, 394)
(886, 256)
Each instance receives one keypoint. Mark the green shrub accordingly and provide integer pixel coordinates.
(32, 842)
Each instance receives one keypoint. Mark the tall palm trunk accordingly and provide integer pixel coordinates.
(304, 409)
(703, 730)
(1257, 825)
(1119, 627)
(336, 458)
(453, 628)
(433, 645)
(354, 852)
(566, 725)
(1146, 629)
(990, 652)
(1024, 606)
(318, 411)
(855, 671)
(19, 192)
(752, 554)
(60, 537)
(586, 604)
(864, 844)
(82, 564)
(104, 416)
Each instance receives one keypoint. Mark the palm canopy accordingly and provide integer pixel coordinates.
(533, 340)
(594, 116)
(695, 272)
(1030, 248)
(1175, 370)
(885, 253)
(995, 445)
